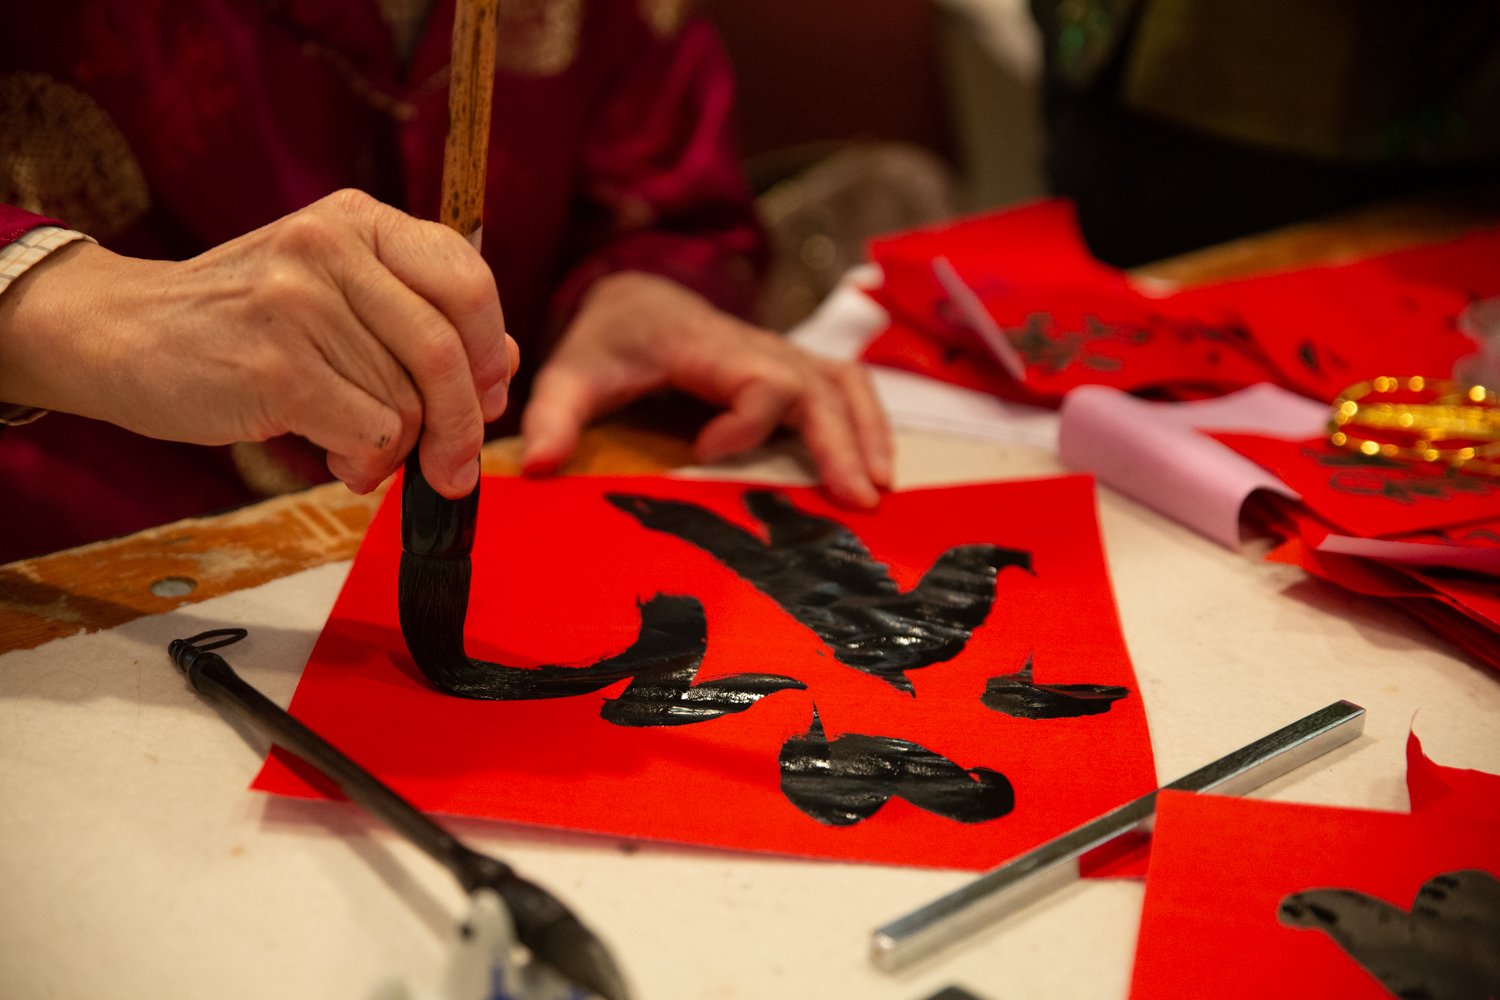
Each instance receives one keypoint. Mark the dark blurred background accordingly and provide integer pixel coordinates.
(1173, 124)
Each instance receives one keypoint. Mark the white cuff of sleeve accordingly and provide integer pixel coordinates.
(15, 259)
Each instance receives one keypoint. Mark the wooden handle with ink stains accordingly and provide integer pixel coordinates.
(432, 524)
(437, 533)
(471, 81)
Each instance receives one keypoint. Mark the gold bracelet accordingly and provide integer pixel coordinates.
(1420, 419)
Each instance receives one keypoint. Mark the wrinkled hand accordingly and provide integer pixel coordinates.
(348, 323)
(635, 333)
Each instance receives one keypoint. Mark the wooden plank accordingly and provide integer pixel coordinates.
(108, 583)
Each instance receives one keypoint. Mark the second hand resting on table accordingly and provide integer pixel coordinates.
(358, 328)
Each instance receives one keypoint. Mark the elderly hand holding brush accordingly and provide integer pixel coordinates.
(363, 329)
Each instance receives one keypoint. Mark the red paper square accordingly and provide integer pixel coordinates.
(559, 574)
(1223, 868)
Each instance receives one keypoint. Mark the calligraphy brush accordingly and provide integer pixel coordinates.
(553, 934)
(437, 534)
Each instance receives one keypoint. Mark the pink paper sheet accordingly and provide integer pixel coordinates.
(1154, 453)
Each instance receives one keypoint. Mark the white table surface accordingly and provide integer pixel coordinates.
(134, 862)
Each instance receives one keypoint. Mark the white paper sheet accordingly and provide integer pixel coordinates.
(848, 320)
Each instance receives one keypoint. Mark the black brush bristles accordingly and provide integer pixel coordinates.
(437, 535)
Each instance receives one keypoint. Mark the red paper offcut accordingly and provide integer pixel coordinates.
(1221, 868)
(1074, 320)
(1315, 330)
(1469, 635)
(1037, 240)
(1461, 607)
(558, 575)
(1283, 517)
(1464, 610)
(1372, 497)
(1470, 795)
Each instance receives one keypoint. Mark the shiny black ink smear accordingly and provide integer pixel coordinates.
(1444, 949)
(843, 781)
(824, 576)
(1016, 695)
(668, 697)
(662, 662)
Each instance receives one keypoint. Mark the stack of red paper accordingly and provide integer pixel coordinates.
(1428, 538)
(1075, 321)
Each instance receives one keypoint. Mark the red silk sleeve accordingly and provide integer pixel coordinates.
(17, 222)
(663, 190)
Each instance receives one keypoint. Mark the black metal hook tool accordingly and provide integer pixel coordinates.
(543, 924)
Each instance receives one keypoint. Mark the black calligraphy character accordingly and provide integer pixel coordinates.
(843, 781)
(666, 695)
(662, 663)
(1017, 695)
(1444, 949)
(824, 577)
(1379, 476)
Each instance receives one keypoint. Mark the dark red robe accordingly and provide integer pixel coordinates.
(611, 150)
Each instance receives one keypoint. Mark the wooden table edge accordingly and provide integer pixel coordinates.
(108, 583)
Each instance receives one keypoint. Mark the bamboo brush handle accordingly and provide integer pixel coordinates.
(431, 524)
(471, 81)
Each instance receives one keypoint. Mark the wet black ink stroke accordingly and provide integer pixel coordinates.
(824, 577)
(668, 697)
(1016, 695)
(1446, 948)
(662, 664)
(843, 781)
